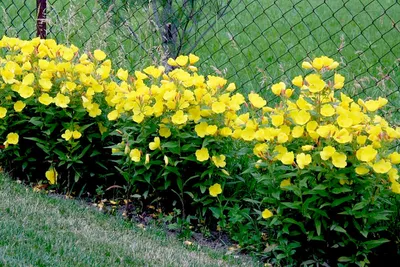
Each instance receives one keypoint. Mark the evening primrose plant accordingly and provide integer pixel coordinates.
(174, 130)
(313, 177)
(51, 111)
(325, 167)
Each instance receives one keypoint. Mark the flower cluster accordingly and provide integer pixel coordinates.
(319, 127)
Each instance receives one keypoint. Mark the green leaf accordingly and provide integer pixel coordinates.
(341, 190)
(339, 201)
(344, 259)
(216, 211)
(360, 205)
(338, 228)
(37, 121)
(318, 227)
(292, 205)
(375, 243)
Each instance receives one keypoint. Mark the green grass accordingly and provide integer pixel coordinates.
(40, 230)
(257, 42)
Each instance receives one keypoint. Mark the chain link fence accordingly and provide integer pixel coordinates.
(252, 42)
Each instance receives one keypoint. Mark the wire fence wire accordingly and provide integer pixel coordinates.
(252, 42)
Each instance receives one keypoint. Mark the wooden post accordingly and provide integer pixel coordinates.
(41, 18)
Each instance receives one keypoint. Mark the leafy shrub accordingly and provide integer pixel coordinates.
(311, 179)
(52, 111)
(326, 169)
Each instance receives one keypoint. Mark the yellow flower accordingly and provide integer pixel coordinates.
(202, 154)
(28, 79)
(135, 155)
(156, 144)
(260, 149)
(211, 129)
(303, 160)
(193, 59)
(182, 60)
(395, 187)
(318, 63)
(172, 62)
(327, 152)
(278, 88)
(361, 170)
(338, 81)
(285, 182)
(215, 190)
(394, 158)
(218, 107)
(266, 214)
(256, 100)
(3, 112)
(307, 147)
(339, 160)
(314, 83)
(99, 55)
(45, 84)
(287, 158)
(67, 135)
(231, 87)
(19, 106)
(306, 65)
(76, 134)
(282, 138)
(179, 117)
(113, 115)
(327, 110)
(344, 121)
(297, 131)
(361, 139)
(366, 154)
(12, 138)
(393, 175)
(277, 120)
(334, 65)
(164, 132)
(298, 81)
(61, 100)
(372, 105)
(343, 136)
(122, 74)
(289, 92)
(382, 166)
(25, 91)
(301, 117)
(219, 161)
(201, 129)
(51, 175)
(45, 99)
(153, 71)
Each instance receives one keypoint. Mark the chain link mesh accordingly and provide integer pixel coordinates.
(252, 42)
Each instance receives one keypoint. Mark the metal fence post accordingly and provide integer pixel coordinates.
(41, 18)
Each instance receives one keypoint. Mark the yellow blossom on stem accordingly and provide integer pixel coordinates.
(215, 190)
(135, 155)
(382, 166)
(266, 214)
(219, 161)
(339, 160)
(51, 175)
(303, 160)
(202, 154)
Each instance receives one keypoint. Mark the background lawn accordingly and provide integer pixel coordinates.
(41, 230)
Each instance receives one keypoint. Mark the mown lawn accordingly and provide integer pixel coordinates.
(41, 230)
